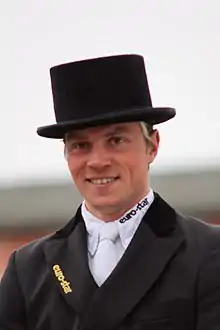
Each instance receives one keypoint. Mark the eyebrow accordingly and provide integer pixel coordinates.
(117, 130)
(113, 131)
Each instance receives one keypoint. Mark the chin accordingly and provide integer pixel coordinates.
(105, 202)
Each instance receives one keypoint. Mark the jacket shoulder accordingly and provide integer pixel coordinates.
(32, 249)
(200, 225)
(201, 232)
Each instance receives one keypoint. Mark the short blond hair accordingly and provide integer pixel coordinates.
(147, 131)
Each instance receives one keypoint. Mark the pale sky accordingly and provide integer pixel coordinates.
(181, 45)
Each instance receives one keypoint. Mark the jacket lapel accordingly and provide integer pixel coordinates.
(66, 255)
(155, 242)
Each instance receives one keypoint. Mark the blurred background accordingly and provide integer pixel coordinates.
(180, 42)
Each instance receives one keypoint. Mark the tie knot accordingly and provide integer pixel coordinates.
(108, 231)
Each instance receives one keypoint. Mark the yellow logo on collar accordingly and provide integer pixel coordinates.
(59, 274)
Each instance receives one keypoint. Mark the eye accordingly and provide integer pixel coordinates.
(115, 140)
(78, 146)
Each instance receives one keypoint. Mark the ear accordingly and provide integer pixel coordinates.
(154, 146)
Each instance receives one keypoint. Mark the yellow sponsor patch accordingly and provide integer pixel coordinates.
(61, 278)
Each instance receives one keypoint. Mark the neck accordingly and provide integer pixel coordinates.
(111, 214)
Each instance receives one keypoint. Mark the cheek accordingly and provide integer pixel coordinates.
(141, 165)
(75, 168)
(137, 166)
(141, 158)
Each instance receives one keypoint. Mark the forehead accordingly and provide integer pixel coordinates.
(104, 130)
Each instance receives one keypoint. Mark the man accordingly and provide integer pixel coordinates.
(126, 260)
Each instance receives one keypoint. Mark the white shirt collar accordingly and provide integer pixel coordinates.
(127, 224)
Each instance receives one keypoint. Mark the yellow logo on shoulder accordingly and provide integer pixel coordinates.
(61, 278)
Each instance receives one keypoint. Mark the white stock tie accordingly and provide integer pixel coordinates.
(105, 258)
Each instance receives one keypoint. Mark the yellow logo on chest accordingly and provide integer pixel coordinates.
(61, 278)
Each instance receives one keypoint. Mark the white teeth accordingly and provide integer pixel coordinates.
(102, 181)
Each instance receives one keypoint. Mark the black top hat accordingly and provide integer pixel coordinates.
(101, 91)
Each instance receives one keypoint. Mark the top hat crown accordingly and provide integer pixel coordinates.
(101, 91)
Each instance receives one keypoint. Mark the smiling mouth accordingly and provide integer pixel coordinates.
(102, 181)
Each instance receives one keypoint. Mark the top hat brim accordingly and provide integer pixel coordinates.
(149, 115)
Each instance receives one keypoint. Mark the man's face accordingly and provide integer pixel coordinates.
(109, 166)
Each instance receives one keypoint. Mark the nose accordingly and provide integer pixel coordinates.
(98, 159)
